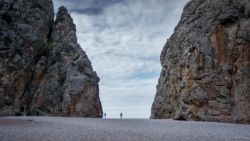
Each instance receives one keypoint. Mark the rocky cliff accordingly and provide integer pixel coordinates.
(206, 64)
(43, 71)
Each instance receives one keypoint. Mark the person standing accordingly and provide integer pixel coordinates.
(121, 115)
(105, 115)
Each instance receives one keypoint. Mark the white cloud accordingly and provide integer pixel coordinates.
(124, 44)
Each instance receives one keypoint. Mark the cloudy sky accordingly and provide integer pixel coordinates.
(123, 39)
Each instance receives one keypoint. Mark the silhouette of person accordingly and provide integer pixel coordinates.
(121, 115)
(105, 115)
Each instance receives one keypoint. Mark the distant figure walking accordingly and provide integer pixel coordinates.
(121, 115)
(105, 115)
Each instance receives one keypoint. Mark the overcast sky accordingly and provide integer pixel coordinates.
(123, 39)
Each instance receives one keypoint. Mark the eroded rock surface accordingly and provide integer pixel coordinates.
(206, 64)
(43, 69)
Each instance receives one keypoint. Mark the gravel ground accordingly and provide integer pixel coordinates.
(87, 129)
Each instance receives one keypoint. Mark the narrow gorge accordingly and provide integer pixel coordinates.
(205, 64)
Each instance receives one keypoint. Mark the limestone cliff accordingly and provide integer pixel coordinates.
(43, 71)
(206, 64)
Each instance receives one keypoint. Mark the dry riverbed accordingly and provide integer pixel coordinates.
(88, 129)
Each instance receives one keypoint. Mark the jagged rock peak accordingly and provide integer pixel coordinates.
(64, 16)
(205, 64)
(62, 9)
(44, 71)
(64, 26)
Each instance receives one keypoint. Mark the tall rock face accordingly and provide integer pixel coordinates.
(43, 69)
(206, 64)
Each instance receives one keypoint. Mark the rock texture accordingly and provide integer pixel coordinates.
(206, 64)
(43, 71)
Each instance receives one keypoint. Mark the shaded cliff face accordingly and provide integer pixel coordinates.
(43, 69)
(206, 64)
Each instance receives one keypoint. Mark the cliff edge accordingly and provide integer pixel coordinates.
(43, 69)
(206, 64)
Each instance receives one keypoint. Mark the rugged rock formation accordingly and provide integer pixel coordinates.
(43, 69)
(206, 64)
